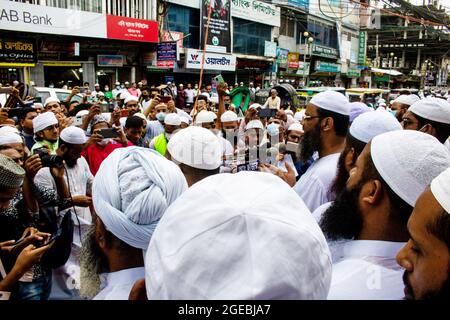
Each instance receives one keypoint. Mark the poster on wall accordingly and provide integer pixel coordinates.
(218, 39)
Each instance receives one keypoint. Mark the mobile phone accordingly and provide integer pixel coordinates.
(292, 147)
(109, 133)
(52, 238)
(104, 108)
(124, 112)
(267, 113)
(78, 121)
(219, 79)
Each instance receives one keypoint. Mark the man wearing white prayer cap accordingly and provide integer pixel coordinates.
(429, 115)
(132, 104)
(46, 132)
(242, 243)
(325, 126)
(427, 276)
(131, 191)
(78, 179)
(172, 122)
(356, 109)
(368, 219)
(401, 104)
(197, 151)
(53, 105)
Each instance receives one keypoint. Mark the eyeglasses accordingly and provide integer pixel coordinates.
(310, 117)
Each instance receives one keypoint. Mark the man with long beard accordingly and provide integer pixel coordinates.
(131, 191)
(368, 219)
(426, 256)
(362, 130)
(325, 125)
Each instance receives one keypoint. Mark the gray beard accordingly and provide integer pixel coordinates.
(91, 265)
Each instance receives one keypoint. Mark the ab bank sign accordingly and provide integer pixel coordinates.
(16, 16)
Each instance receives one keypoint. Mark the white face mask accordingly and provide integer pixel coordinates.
(104, 142)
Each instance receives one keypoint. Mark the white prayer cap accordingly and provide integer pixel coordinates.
(130, 98)
(255, 106)
(82, 113)
(229, 116)
(101, 94)
(185, 119)
(254, 124)
(331, 101)
(440, 187)
(434, 109)
(126, 82)
(204, 116)
(298, 116)
(96, 85)
(9, 135)
(172, 119)
(358, 108)
(73, 135)
(381, 100)
(370, 124)
(124, 95)
(51, 100)
(196, 147)
(38, 105)
(295, 127)
(117, 83)
(43, 121)
(214, 99)
(140, 115)
(213, 115)
(241, 243)
(408, 99)
(408, 161)
(131, 191)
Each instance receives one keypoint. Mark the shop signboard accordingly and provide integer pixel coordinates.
(258, 11)
(17, 53)
(282, 56)
(270, 49)
(293, 60)
(219, 34)
(303, 68)
(362, 48)
(166, 54)
(324, 51)
(124, 28)
(213, 61)
(322, 66)
(353, 73)
(104, 60)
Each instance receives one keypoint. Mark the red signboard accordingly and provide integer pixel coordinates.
(123, 28)
(165, 64)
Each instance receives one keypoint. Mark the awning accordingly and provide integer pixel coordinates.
(391, 72)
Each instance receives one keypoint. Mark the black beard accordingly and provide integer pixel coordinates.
(309, 144)
(442, 294)
(342, 220)
(342, 175)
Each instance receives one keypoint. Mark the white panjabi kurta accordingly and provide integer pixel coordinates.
(117, 285)
(366, 270)
(314, 185)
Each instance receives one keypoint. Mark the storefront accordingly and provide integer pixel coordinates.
(16, 55)
(250, 70)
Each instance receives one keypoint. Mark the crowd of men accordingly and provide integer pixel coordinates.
(147, 196)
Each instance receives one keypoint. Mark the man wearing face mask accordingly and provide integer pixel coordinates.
(172, 122)
(230, 126)
(429, 115)
(97, 148)
(145, 99)
(108, 93)
(117, 90)
(401, 105)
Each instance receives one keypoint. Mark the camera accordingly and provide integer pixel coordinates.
(49, 160)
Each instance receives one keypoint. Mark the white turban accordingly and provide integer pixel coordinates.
(9, 135)
(132, 190)
(370, 124)
(407, 99)
(440, 187)
(231, 236)
(433, 109)
(408, 161)
(43, 121)
(51, 100)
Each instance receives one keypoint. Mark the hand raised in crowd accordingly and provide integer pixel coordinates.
(288, 177)
(82, 201)
(32, 165)
(94, 138)
(93, 111)
(115, 116)
(122, 139)
(29, 257)
(75, 91)
(66, 122)
(222, 88)
(171, 105)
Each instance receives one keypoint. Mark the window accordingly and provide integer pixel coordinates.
(83, 5)
(249, 37)
(186, 20)
(287, 26)
(323, 34)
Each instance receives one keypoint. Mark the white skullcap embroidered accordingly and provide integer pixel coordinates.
(43, 121)
(73, 135)
(51, 100)
(255, 106)
(172, 119)
(295, 127)
(204, 116)
(358, 108)
(370, 124)
(241, 243)
(440, 187)
(131, 191)
(331, 101)
(9, 135)
(140, 115)
(11, 174)
(408, 99)
(96, 85)
(229, 116)
(196, 147)
(434, 109)
(408, 161)
(130, 98)
(254, 124)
